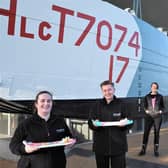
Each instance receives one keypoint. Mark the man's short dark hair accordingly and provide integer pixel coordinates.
(107, 82)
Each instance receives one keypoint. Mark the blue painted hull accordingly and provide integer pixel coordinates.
(154, 63)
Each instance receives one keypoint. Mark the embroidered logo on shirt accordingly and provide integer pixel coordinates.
(116, 114)
(60, 130)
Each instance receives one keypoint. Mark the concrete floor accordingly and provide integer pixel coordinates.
(81, 155)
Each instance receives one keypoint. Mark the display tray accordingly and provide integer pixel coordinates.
(63, 142)
(123, 122)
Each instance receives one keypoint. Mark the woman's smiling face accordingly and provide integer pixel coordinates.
(44, 104)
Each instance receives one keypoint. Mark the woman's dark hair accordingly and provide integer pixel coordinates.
(155, 83)
(107, 82)
(43, 92)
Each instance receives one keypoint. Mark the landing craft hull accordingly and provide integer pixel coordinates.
(68, 49)
(154, 63)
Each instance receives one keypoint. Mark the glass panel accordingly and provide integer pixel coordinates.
(8, 123)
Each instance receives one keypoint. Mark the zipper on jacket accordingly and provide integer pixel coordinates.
(47, 130)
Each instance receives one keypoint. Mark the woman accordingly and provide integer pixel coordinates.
(43, 126)
(154, 107)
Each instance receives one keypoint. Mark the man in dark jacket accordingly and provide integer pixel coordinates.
(154, 107)
(110, 143)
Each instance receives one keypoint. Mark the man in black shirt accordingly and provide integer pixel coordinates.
(110, 143)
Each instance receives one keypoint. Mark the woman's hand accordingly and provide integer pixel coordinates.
(147, 111)
(30, 148)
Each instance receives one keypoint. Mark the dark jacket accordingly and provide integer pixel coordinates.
(36, 129)
(109, 140)
(159, 104)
